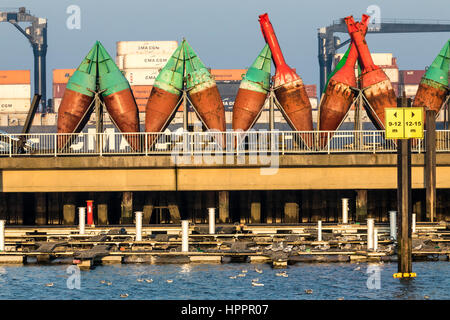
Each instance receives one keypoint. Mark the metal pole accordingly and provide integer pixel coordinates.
(185, 112)
(212, 220)
(184, 235)
(271, 110)
(81, 219)
(393, 224)
(138, 225)
(430, 164)
(370, 227)
(319, 230)
(2, 235)
(404, 206)
(344, 210)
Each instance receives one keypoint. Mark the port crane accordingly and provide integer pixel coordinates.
(329, 43)
(36, 33)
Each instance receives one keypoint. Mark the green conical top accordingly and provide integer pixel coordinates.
(170, 78)
(84, 79)
(438, 71)
(195, 70)
(110, 78)
(338, 67)
(259, 72)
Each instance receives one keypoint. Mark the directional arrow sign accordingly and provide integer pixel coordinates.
(413, 123)
(394, 123)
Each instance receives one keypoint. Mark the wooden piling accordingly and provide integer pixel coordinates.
(430, 164)
(404, 206)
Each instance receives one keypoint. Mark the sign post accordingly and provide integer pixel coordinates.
(404, 124)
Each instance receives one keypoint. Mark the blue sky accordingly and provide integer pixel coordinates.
(225, 34)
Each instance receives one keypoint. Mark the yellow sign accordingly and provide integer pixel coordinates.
(404, 123)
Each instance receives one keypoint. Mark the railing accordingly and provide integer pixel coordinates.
(185, 143)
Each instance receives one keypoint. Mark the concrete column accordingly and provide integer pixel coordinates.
(174, 211)
(198, 214)
(184, 235)
(127, 208)
(212, 220)
(102, 208)
(278, 205)
(361, 205)
(19, 207)
(319, 230)
(345, 210)
(138, 215)
(69, 208)
(393, 224)
(306, 208)
(375, 239)
(269, 206)
(224, 206)
(255, 207)
(413, 226)
(291, 208)
(370, 227)
(41, 208)
(81, 219)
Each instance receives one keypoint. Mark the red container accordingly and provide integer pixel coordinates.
(90, 212)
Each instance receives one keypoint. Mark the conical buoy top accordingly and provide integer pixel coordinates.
(259, 72)
(170, 78)
(438, 71)
(84, 79)
(196, 72)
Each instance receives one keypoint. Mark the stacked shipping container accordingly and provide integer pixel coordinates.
(60, 79)
(140, 62)
(15, 91)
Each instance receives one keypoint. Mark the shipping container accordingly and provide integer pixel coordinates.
(58, 90)
(392, 74)
(143, 47)
(313, 102)
(56, 104)
(15, 77)
(14, 105)
(141, 92)
(396, 87)
(379, 59)
(141, 77)
(15, 91)
(62, 75)
(411, 76)
(410, 89)
(228, 74)
(311, 90)
(228, 91)
(119, 62)
(145, 61)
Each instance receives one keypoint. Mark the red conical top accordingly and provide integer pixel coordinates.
(347, 73)
(360, 43)
(283, 74)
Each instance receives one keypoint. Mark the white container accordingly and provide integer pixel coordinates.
(145, 61)
(14, 105)
(119, 62)
(392, 74)
(313, 102)
(143, 47)
(56, 104)
(410, 89)
(382, 59)
(15, 91)
(141, 77)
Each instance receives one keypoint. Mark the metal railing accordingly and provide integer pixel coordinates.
(185, 143)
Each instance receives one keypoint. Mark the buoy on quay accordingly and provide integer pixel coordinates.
(375, 84)
(118, 98)
(288, 86)
(339, 94)
(165, 95)
(433, 88)
(252, 91)
(77, 98)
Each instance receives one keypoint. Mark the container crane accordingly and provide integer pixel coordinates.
(37, 35)
(329, 43)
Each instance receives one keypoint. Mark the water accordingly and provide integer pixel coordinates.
(206, 281)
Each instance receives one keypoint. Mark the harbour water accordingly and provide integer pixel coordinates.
(348, 281)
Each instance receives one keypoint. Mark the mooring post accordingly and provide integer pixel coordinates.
(413, 227)
(319, 230)
(2, 235)
(375, 239)
(138, 225)
(404, 205)
(344, 210)
(184, 235)
(81, 219)
(393, 224)
(430, 164)
(370, 227)
(212, 220)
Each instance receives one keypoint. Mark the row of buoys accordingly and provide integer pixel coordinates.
(185, 71)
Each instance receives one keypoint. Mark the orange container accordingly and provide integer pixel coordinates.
(62, 75)
(228, 74)
(15, 77)
(141, 92)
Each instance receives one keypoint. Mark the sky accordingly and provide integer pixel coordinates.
(225, 34)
